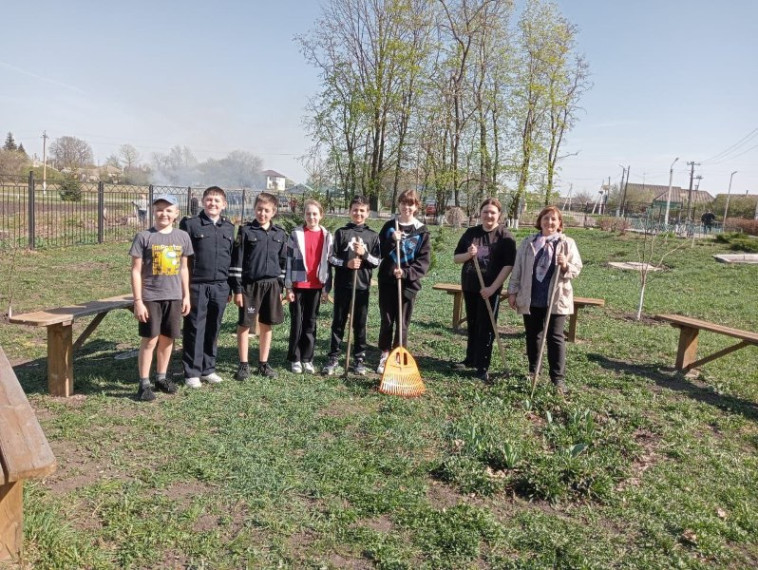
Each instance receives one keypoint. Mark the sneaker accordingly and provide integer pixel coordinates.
(297, 368)
(560, 387)
(483, 375)
(145, 393)
(308, 367)
(382, 362)
(243, 372)
(193, 382)
(359, 367)
(212, 378)
(331, 367)
(166, 385)
(266, 370)
(460, 366)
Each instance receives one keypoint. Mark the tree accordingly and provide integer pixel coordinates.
(22, 150)
(71, 152)
(12, 162)
(129, 156)
(113, 160)
(178, 167)
(10, 144)
(237, 169)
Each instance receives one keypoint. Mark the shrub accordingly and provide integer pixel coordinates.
(71, 189)
(750, 227)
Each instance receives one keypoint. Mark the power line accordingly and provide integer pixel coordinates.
(723, 154)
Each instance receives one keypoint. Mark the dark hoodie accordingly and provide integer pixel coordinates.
(342, 252)
(415, 254)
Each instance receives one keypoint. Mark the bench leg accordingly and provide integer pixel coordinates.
(60, 363)
(11, 520)
(573, 317)
(457, 303)
(686, 354)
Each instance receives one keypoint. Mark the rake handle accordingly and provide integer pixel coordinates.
(350, 318)
(399, 287)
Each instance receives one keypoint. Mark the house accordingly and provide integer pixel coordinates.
(680, 198)
(274, 181)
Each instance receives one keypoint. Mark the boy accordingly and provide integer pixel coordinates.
(212, 238)
(415, 256)
(160, 285)
(356, 248)
(257, 275)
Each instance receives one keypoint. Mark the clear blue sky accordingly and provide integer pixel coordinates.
(672, 78)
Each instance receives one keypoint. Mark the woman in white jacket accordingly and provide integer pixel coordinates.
(538, 258)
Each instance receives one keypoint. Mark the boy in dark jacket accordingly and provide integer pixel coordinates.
(356, 249)
(212, 238)
(415, 254)
(257, 277)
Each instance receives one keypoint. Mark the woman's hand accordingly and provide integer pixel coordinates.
(472, 251)
(512, 301)
(562, 261)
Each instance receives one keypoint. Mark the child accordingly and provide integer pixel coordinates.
(160, 285)
(257, 274)
(306, 274)
(212, 238)
(414, 263)
(356, 248)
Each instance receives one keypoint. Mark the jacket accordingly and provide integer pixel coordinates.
(213, 244)
(415, 254)
(257, 254)
(296, 269)
(342, 252)
(521, 276)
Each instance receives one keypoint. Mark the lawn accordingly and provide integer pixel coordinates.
(636, 468)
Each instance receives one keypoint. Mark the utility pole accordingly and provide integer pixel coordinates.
(626, 185)
(621, 186)
(728, 193)
(44, 161)
(668, 195)
(689, 192)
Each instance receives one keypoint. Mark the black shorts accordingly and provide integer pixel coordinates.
(164, 318)
(262, 299)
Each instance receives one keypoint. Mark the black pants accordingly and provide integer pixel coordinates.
(556, 341)
(341, 312)
(480, 335)
(303, 315)
(201, 327)
(388, 313)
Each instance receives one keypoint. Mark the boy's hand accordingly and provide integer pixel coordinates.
(359, 248)
(185, 306)
(140, 312)
(398, 273)
(238, 300)
(397, 235)
(354, 263)
(487, 292)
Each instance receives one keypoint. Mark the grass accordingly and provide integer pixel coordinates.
(637, 468)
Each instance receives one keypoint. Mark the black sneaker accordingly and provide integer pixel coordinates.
(460, 366)
(331, 367)
(145, 393)
(266, 370)
(359, 367)
(483, 375)
(243, 372)
(166, 385)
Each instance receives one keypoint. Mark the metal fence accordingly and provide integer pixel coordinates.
(57, 216)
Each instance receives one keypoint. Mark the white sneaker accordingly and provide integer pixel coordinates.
(193, 382)
(297, 368)
(382, 362)
(308, 367)
(212, 378)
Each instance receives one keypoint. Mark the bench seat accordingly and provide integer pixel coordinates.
(689, 330)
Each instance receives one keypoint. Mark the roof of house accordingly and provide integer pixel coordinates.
(273, 174)
(682, 195)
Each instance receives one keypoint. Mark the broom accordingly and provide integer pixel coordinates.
(545, 324)
(491, 314)
(401, 376)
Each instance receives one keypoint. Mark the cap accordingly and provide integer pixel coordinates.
(166, 198)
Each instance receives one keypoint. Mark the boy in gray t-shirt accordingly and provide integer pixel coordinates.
(160, 285)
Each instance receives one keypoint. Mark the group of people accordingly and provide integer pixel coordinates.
(193, 272)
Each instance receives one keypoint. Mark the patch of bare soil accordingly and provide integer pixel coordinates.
(647, 457)
(442, 496)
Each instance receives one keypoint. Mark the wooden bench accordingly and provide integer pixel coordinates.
(60, 344)
(689, 329)
(455, 290)
(24, 454)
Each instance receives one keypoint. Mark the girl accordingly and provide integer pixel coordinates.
(306, 273)
(413, 264)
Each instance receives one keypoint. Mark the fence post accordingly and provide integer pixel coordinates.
(150, 206)
(189, 201)
(100, 210)
(242, 211)
(30, 213)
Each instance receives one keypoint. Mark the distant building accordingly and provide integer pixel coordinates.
(274, 181)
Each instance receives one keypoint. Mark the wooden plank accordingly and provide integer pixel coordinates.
(715, 355)
(24, 449)
(11, 520)
(88, 331)
(64, 315)
(60, 360)
(680, 320)
(686, 352)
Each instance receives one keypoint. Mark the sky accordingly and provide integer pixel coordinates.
(671, 78)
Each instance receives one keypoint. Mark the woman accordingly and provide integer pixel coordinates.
(493, 246)
(538, 258)
(306, 273)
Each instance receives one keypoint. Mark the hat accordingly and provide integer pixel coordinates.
(166, 198)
